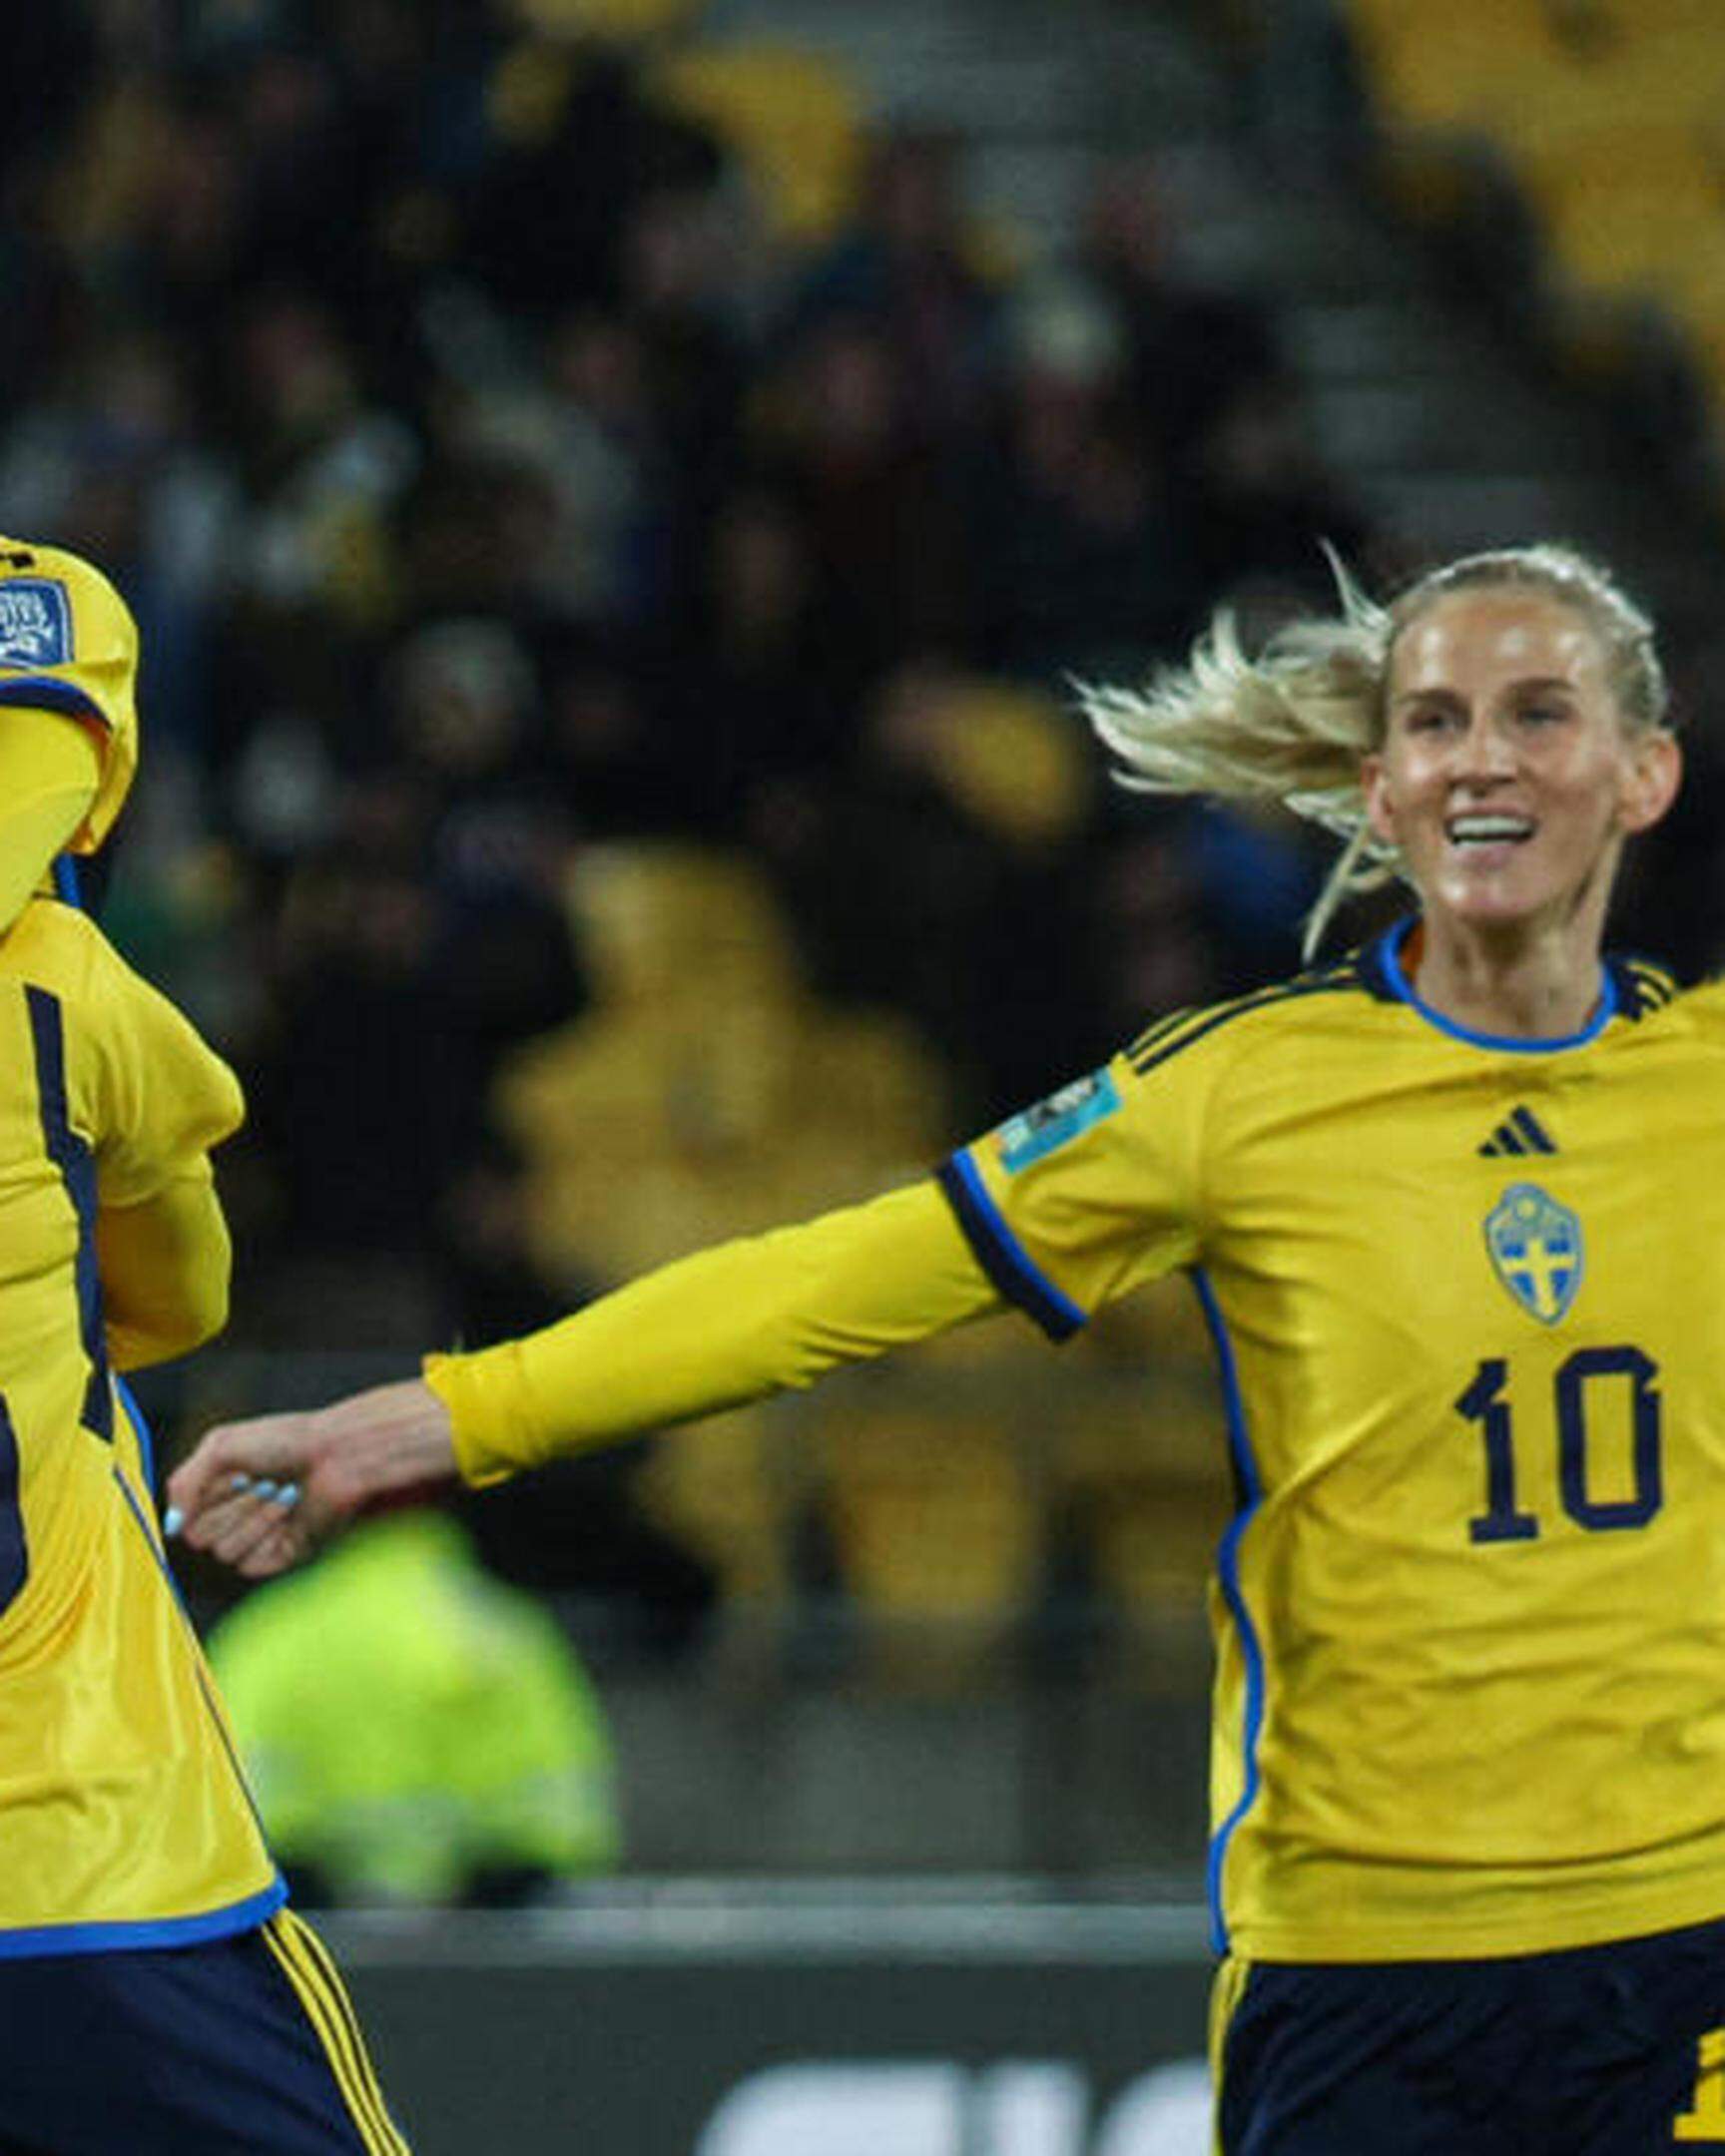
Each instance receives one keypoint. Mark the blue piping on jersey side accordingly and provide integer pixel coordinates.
(1000, 1254)
(216, 1924)
(1228, 1572)
(144, 1512)
(72, 1156)
(14, 1546)
(199, 1669)
(1389, 955)
(66, 882)
(140, 1430)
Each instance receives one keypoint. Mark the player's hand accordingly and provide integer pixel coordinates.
(263, 1494)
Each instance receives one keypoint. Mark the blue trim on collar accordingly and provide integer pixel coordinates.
(1387, 953)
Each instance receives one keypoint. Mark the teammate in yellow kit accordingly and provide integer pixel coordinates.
(1455, 1207)
(154, 1993)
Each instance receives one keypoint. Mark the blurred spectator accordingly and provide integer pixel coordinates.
(113, 460)
(415, 1731)
(321, 464)
(573, 141)
(418, 945)
(589, 430)
(1262, 503)
(757, 706)
(875, 497)
(908, 267)
(1187, 354)
(938, 880)
(1080, 545)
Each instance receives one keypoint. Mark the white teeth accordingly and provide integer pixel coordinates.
(1487, 829)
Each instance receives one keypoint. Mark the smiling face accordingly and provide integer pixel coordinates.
(1508, 777)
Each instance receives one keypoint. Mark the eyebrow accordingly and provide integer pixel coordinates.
(1438, 693)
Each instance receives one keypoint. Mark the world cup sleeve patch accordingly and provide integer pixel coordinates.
(1056, 1120)
(35, 622)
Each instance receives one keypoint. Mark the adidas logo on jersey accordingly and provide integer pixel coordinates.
(1520, 1132)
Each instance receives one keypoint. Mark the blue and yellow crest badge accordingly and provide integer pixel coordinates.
(1535, 1247)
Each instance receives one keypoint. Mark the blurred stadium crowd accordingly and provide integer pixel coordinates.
(611, 529)
(501, 470)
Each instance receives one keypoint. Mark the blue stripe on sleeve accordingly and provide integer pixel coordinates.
(77, 1167)
(1001, 1256)
(1228, 1572)
(47, 692)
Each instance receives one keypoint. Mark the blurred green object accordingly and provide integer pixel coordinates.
(414, 1728)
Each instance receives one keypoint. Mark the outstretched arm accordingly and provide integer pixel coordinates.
(708, 1332)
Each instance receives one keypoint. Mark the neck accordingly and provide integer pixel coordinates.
(1544, 986)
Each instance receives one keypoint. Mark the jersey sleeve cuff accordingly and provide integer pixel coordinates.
(1000, 1254)
(481, 1392)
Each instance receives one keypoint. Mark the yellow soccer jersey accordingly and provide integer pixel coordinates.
(123, 1820)
(1466, 1294)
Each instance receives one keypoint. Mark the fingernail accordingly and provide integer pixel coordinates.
(288, 1495)
(238, 1482)
(172, 1521)
(264, 1488)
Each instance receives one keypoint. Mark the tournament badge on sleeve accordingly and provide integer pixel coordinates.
(1535, 1247)
(1039, 1131)
(35, 622)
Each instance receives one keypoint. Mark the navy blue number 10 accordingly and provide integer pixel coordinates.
(1487, 1403)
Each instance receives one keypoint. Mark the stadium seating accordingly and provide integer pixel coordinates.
(936, 1530)
(791, 117)
(1605, 115)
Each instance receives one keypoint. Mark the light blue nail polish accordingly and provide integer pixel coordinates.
(288, 1495)
(264, 1488)
(239, 1482)
(172, 1521)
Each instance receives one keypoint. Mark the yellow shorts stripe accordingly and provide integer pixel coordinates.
(1226, 1992)
(321, 1968)
(308, 1968)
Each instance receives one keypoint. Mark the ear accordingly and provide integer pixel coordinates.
(1651, 784)
(1379, 804)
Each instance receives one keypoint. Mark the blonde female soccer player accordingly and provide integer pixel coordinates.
(1455, 1207)
(155, 1994)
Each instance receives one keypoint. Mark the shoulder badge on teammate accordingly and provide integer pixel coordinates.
(1052, 1123)
(35, 622)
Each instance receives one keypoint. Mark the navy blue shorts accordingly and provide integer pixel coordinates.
(242, 2047)
(1613, 2050)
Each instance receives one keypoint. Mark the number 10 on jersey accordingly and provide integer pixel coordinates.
(1490, 1402)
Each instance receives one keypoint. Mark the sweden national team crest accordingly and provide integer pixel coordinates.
(1535, 1247)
